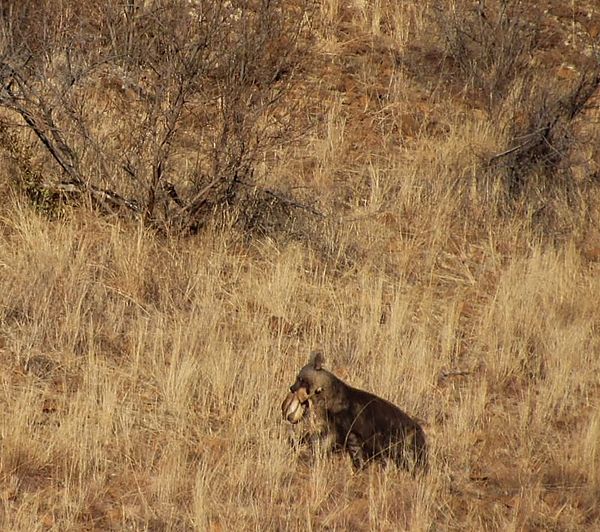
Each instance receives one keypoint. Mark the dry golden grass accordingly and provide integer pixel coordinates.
(157, 407)
(141, 376)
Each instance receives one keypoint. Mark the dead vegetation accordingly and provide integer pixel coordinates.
(198, 194)
(164, 109)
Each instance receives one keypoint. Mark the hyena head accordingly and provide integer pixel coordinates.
(312, 386)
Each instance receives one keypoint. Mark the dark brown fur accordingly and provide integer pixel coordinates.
(360, 423)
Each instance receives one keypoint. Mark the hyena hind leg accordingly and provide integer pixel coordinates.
(356, 451)
(411, 453)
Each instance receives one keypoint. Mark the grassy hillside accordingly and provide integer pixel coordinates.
(411, 187)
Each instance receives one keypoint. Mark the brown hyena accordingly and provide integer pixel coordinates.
(358, 422)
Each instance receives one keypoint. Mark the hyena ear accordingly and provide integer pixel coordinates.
(317, 360)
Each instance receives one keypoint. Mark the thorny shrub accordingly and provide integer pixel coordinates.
(158, 108)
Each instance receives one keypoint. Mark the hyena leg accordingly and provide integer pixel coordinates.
(317, 444)
(356, 451)
(323, 442)
(409, 453)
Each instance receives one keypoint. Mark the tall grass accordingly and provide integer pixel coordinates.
(141, 373)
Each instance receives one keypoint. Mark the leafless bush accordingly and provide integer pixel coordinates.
(160, 108)
(490, 46)
(542, 137)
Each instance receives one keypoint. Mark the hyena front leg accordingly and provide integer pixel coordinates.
(356, 451)
(323, 442)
